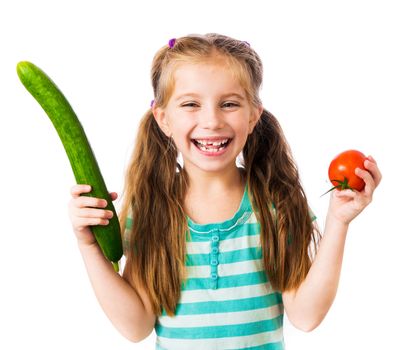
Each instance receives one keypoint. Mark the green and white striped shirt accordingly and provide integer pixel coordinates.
(227, 301)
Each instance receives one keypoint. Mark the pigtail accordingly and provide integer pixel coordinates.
(155, 187)
(273, 178)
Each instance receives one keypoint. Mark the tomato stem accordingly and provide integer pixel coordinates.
(342, 185)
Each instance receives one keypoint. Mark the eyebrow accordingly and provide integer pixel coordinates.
(192, 94)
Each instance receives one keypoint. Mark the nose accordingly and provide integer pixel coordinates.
(212, 118)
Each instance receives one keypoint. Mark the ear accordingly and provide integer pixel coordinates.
(161, 119)
(255, 117)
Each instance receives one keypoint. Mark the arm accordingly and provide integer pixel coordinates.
(127, 309)
(307, 305)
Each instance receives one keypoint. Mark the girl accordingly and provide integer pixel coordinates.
(215, 250)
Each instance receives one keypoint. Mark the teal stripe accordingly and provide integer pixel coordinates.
(245, 279)
(270, 346)
(250, 229)
(225, 257)
(234, 256)
(235, 330)
(197, 259)
(212, 307)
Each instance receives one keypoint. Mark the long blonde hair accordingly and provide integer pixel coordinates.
(156, 184)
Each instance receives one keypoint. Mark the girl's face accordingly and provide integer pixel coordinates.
(208, 116)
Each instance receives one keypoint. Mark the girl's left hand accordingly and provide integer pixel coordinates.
(345, 205)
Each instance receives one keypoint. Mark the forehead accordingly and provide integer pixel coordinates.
(210, 78)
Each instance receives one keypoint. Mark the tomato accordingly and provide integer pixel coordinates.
(341, 171)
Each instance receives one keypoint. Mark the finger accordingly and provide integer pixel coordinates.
(94, 213)
(368, 179)
(113, 195)
(84, 222)
(90, 202)
(372, 167)
(77, 190)
(345, 194)
(371, 158)
(365, 175)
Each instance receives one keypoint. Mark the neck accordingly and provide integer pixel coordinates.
(208, 183)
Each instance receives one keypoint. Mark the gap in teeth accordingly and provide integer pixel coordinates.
(211, 143)
(202, 145)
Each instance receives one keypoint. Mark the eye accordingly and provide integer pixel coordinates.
(189, 105)
(230, 105)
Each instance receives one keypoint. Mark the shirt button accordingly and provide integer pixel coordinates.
(214, 276)
(215, 238)
(214, 250)
(214, 262)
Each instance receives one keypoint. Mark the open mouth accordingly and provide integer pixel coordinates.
(211, 146)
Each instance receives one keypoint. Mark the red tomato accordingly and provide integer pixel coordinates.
(341, 171)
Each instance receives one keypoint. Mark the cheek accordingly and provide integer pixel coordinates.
(243, 129)
(181, 135)
(182, 127)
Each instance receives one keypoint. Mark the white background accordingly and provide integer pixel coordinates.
(337, 76)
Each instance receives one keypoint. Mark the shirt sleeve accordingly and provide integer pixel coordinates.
(312, 215)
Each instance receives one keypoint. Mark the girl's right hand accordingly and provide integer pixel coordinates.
(87, 211)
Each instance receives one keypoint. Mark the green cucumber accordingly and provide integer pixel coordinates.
(78, 149)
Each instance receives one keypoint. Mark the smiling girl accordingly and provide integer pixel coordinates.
(217, 248)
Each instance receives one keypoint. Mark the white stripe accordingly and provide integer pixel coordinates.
(253, 218)
(222, 319)
(203, 271)
(233, 269)
(239, 243)
(221, 343)
(226, 245)
(240, 268)
(193, 296)
(198, 247)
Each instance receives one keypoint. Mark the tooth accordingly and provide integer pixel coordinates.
(212, 143)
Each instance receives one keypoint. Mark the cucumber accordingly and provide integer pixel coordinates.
(78, 149)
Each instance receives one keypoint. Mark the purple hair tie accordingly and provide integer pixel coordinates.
(247, 43)
(171, 43)
(152, 103)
